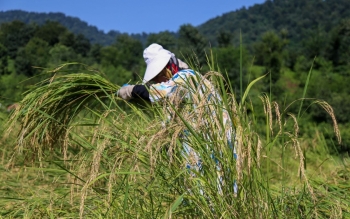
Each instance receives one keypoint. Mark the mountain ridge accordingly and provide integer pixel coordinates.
(297, 19)
(74, 24)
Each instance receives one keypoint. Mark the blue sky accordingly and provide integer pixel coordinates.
(134, 16)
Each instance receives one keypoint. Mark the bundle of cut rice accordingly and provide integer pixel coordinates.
(48, 108)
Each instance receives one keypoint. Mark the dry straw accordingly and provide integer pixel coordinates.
(46, 111)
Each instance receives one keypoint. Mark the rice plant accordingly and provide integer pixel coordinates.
(115, 159)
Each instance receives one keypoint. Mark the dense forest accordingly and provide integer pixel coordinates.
(297, 18)
(285, 38)
(73, 24)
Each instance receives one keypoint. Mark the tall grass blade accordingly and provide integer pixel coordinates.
(305, 87)
(246, 92)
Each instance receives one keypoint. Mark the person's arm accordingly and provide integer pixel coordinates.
(140, 91)
(133, 91)
(153, 94)
(156, 92)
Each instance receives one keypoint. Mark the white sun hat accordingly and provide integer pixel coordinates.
(156, 59)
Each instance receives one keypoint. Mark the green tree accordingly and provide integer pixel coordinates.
(23, 66)
(3, 60)
(82, 45)
(314, 44)
(339, 48)
(32, 58)
(67, 39)
(12, 87)
(166, 39)
(228, 58)
(331, 87)
(61, 54)
(50, 32)
(14, 35)
(192, 44)
(112, 67)
(95, 52)
(109, 56)
(38, 52)
(124, 55)
(224, 38)
(269, 53)
(129, 51)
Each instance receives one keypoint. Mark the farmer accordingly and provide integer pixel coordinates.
(167, 77)
(162, 65)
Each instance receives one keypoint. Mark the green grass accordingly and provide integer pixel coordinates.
(115, 159)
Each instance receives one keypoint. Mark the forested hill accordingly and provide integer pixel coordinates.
(73, 24)
(297, 17)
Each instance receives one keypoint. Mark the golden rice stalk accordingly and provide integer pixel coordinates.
(46, 111)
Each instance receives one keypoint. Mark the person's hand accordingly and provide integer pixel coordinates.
(125, 92)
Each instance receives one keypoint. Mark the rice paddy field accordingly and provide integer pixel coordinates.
(72, 149)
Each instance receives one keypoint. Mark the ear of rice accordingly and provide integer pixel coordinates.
(49, 107)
